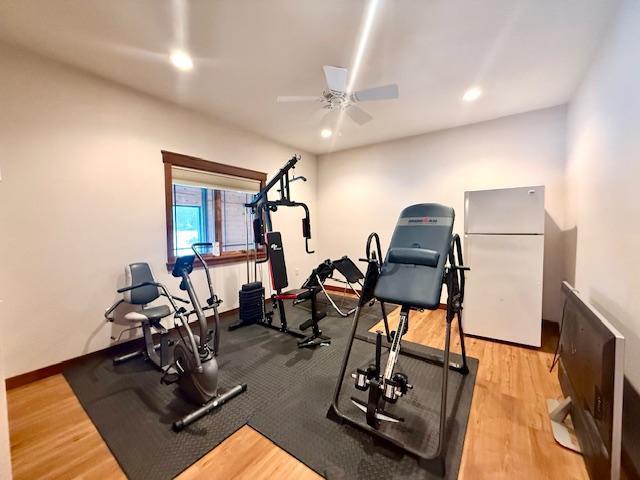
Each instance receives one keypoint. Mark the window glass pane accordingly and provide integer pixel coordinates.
(188, 227)
(194, 210)
(193, 217)
(234, 222)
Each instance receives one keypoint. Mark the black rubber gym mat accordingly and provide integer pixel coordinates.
(289, 391)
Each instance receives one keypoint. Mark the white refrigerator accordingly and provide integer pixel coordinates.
(504, 247)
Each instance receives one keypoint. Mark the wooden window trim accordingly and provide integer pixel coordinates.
(171, 159)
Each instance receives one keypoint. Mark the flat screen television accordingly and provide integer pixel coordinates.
(591, 374)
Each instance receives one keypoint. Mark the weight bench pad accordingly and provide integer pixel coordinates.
(416, 281)
(298, 294)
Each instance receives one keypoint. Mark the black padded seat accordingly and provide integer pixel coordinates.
(415, 278)
(152, 314)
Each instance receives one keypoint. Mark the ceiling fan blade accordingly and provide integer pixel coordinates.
(336, 78)
(358, 115)
(297, 98)
(385, 92)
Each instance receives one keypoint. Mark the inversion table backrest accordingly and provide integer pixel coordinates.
(413, 269)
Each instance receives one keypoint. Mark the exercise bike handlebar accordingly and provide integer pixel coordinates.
(212, 302)
(108, 313)
(195, 247)
(148, 284)
(164, 293)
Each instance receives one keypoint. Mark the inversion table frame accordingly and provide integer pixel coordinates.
(453, 277)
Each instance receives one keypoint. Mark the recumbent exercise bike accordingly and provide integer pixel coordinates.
(194, 366)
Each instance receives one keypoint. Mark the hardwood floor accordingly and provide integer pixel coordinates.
(509, 435)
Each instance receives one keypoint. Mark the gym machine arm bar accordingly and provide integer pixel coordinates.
(279, 178)
(262, 207)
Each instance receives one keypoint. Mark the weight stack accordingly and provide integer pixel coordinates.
(251, 303)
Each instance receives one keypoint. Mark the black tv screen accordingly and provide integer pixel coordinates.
(591, 372)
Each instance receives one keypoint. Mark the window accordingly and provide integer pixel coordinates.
(205, 203)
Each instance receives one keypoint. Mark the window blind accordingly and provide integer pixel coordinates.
(213, 181)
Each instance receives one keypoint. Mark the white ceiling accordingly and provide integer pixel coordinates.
(525, 54)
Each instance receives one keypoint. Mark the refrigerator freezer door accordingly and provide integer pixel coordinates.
(503, 295)
(508, 210)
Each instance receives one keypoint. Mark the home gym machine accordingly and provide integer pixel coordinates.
(194, 365)
(423, 255)
(252, 296)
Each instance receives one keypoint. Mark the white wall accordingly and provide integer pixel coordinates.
(603, 177)
(364, 189)
(82, 194)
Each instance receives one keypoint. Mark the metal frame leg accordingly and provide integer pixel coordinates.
(436, 462)
(334, 412)
(283, 316)
(211, 405)
(316, 338)
(442, 434)
(464, 368)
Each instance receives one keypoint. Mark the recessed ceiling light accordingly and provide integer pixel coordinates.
(325, 133)
(181, 60)
(472, 94)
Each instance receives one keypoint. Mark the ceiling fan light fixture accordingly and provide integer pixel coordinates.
(181, 60)
(326, 133)
(337, 97)
(472, 94)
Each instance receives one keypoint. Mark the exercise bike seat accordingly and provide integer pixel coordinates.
(151, 315)
(139, 274)
(413, 271)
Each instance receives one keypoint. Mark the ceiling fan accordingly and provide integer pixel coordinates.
(336, 97)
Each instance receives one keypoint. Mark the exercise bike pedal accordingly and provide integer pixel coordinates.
(169, 378)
